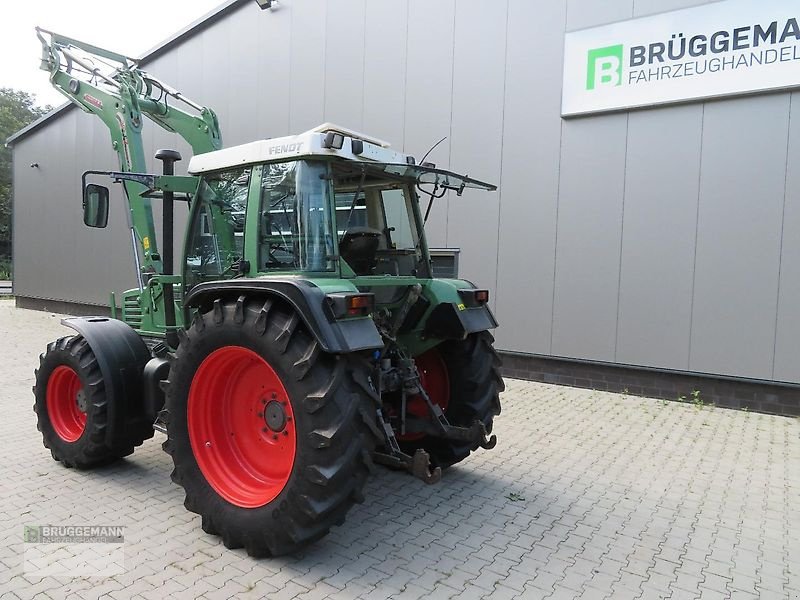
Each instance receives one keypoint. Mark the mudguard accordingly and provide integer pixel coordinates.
(455, 321)
(121, 355)
(308, 300)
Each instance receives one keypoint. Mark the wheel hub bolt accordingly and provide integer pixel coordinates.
(80, 399)
(275, 416)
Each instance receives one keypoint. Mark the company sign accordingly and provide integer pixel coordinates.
(718, 49)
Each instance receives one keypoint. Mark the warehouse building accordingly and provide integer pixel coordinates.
(646, 231)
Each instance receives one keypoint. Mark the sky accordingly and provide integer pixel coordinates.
(105, 23)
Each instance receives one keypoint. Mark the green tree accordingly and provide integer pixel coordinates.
(17, 109)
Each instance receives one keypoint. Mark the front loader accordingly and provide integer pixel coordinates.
(303, 338)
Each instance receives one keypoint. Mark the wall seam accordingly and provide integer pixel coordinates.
(558, 196)
(450, 131)
(502, 153)
(622, 230)
(325, 64)
(696, 234)
(405, 81)
(363, 67)
(622, 221)
(783, 230)
(291, 56)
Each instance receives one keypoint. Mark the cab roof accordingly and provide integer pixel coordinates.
(326, 140)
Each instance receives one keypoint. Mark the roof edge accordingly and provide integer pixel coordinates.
(37, 123)
(174, 40)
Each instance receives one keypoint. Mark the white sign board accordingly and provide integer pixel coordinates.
(717, 49)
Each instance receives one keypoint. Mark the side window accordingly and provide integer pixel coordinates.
(216, 238)
(398, 219)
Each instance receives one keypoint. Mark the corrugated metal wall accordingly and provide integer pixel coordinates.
(666, 237)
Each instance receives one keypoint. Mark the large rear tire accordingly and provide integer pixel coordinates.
(72, 408)
(463, 377)
(271, 437)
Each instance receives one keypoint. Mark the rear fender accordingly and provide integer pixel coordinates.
(307, 299)
(451, 316)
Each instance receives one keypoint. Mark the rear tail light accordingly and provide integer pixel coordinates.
(343, 305)
(473, 297)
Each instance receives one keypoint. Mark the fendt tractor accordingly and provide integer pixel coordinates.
(304, 338)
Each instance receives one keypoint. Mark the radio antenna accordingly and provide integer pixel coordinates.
(432, 149)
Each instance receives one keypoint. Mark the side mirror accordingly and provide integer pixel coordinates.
(95, 205)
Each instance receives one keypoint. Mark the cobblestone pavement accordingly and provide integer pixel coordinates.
(588, 494)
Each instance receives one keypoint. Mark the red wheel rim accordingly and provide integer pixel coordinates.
(433, 377)
(241, 427)
(63, 388)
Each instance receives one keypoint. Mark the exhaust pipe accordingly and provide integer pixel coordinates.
(168, 158)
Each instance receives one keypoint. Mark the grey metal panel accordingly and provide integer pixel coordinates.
(643, 8)
(588, 237)
(215, 58)
(429, 91)
(658, 236)
(529, 184)
(344, 64)
(307, 49)
(476, 137)
(57, 215)
(385, 70)
(27, 184)
(589, 13)
(787, 335)
(56, 256)
(589, 217)
(738, 236)
(273, 73)
(189, 81)
(240, 74)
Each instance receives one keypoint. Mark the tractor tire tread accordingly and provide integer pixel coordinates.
(329, 470)
(91, 449)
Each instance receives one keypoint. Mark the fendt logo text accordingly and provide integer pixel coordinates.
(604, 67)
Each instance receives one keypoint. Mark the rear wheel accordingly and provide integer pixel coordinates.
(271, 437)
(463, 378)
(72, 408)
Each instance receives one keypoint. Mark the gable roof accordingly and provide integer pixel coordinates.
(181, 36)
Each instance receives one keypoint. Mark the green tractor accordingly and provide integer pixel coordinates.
(304, 338)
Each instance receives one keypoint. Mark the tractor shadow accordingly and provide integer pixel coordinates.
(477, 504)
(403, 518)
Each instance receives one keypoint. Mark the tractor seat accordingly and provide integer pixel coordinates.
(359, 248)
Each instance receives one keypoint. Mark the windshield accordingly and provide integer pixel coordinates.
(296, 232)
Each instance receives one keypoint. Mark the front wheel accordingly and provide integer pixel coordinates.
(269, 434)
(72, 407)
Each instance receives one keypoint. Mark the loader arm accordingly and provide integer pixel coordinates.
(111, 86)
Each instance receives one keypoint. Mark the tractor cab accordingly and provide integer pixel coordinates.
(327, 203)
